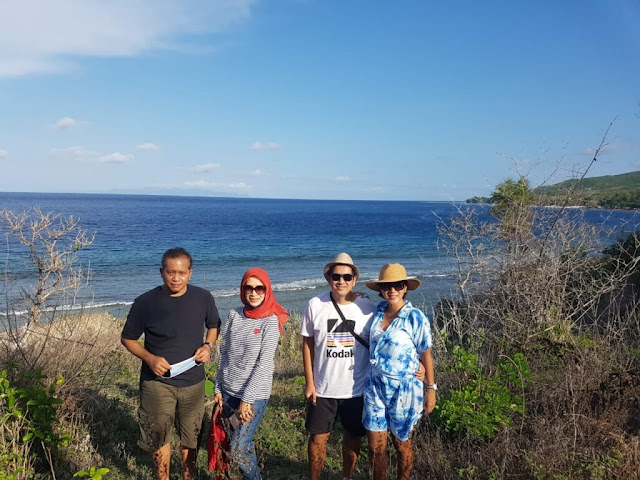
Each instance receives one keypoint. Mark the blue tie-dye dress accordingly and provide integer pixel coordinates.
(393, 396)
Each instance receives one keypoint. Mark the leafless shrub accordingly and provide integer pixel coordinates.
(78, 352)
(536, 281)
(48, 244)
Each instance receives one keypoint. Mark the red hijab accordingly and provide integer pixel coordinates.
(269, 306)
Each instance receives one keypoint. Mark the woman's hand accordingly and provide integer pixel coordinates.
(244, 412)
(218, 400)
(420, 373)
(203, 354)
(429, 401)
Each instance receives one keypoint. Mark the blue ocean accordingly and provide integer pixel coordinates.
(291, 239)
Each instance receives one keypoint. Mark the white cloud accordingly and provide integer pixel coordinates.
(15, 66)
(147, 146)
(3, 154)
(65, 123)
(590, 151)
(614, 147)
(205, 167)
(256, 173)
(343, 179)
(204, 185)
(199, 184)
(116, 157)
(76, 153)
(626, 147)
(41, 36)
(257, 146)
(81, 154)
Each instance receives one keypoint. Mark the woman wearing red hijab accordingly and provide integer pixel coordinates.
(245, 372)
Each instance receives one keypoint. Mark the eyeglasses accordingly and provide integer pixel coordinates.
(397, 286)
(337, 276)
(259, 289)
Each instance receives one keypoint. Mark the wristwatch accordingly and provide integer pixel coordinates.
(210, 345)
(433, 387)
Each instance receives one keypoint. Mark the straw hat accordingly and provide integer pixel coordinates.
(341, 259)
(393, 272)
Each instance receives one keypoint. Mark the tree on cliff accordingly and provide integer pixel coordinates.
(512, 201)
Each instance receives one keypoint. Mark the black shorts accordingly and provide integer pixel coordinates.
(322, 416)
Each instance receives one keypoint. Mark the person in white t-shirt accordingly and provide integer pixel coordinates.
(336, 364)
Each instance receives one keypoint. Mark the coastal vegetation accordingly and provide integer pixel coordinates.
(609, 191)
(49, 243)
(537, 355)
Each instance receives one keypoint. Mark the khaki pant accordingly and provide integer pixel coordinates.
(161, 406)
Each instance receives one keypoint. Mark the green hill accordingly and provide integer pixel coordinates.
(609, 191)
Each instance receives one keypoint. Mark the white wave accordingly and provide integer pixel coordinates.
(68, 308)
(420, 274)
(305, 284)
(225, 292)
(292, 286)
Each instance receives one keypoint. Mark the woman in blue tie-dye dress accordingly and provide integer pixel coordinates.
(394, 399)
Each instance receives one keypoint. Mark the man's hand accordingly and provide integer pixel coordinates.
(429, 401)
(158, 365)
(307, 360)
(420, 373)
(310, 393)
(218, 399)
(203, 354)
(245, 412)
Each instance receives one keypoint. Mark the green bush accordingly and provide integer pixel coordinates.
(93, 473)
(210, 370)
(28, 415)
(626, 250)
(14, 461)
(39, 404)
(485, 402)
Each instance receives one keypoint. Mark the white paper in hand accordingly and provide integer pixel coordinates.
(181, 367)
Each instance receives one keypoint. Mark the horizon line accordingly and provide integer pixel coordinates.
(237, 197)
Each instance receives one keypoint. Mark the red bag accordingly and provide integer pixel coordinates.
(217, 445)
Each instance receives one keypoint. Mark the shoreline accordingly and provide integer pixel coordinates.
(581, 207)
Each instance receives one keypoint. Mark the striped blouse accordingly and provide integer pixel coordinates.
(247, 356)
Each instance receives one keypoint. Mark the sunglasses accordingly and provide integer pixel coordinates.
(337, 276)
(260, 289)
(397, 286)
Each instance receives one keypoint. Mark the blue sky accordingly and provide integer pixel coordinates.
(349, 99)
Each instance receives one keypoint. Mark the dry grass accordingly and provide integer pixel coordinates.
(80, 354)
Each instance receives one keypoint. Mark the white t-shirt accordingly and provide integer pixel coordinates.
(340, 363)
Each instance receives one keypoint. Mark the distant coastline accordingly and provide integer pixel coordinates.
(611, 192)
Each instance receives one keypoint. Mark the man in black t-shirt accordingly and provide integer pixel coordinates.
(172, 318)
